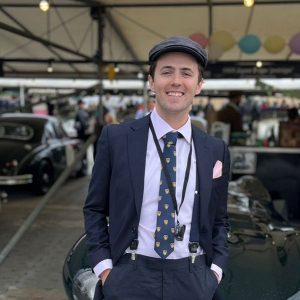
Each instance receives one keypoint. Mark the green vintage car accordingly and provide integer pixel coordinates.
(264, 251)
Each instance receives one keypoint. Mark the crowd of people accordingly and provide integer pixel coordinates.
(238, 111)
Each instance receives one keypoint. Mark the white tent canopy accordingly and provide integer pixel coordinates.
(68, 37)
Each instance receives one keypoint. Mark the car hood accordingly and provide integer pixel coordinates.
(262, 264)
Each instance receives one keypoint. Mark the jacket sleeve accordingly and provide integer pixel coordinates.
(97, 204)
(221, 225)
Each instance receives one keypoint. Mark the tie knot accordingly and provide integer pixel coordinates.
(170, 138)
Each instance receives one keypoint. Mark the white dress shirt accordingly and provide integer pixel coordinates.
(148, 217)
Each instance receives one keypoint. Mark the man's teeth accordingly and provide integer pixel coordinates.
(177, 94)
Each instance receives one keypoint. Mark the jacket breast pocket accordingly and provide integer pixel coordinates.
(217, 181)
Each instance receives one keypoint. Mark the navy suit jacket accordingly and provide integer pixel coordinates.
(116, 191)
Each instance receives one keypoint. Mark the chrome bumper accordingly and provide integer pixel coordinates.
(16, 180)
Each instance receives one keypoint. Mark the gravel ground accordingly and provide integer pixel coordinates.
(33, 270)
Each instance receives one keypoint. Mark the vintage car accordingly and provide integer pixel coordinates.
(264, 251)
(34, 150)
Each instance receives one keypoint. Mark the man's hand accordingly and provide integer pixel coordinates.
(104, 275)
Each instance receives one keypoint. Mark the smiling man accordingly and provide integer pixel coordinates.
(175, 82)
(163, 184)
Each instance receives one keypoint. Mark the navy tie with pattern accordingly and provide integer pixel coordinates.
(165, 226)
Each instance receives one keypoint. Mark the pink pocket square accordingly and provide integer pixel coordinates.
(217, 171)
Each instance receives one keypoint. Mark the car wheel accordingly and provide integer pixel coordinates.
(43, 179)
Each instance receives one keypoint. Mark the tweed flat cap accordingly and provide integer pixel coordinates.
(179, 44)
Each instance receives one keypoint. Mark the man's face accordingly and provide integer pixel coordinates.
(175, 83)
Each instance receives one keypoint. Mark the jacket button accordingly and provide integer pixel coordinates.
(133, 229)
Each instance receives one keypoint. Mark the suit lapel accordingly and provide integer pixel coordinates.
(137, 150)
(204, 169)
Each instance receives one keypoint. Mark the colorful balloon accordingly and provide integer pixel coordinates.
(249, 43)
(274, 44)
(215, 51)
(223, 39)
(200, 39)
(295, 43)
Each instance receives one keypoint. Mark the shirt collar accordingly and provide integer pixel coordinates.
(161, 127)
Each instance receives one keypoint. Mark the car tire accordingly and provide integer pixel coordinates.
(43, 178)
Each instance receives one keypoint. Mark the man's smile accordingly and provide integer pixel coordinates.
(175, 94)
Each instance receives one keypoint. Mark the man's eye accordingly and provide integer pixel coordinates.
(187, 74)
(166, 72)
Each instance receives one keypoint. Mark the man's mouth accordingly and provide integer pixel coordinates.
(175, 94)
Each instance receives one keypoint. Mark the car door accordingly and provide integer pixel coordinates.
(56, 147)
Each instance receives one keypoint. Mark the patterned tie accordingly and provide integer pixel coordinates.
(165, 225)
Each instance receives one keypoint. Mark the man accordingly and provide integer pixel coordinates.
(163, 184)
(81, 121)
(231, 114)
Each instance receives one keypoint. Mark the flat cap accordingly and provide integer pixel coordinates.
(179, 44)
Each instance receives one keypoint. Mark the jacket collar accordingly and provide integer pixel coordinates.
(137, 150)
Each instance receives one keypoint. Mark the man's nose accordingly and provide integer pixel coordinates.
(176, 79)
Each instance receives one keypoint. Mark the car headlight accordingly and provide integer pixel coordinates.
(84, 284)
(10, 166)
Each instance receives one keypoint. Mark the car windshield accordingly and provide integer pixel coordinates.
(16, 131)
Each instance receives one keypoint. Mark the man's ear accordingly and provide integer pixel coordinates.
(199, 87)
(151, 83)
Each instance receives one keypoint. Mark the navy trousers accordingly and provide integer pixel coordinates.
(157, 279)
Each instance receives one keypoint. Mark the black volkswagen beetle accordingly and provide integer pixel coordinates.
(34, 150)
(264, 251)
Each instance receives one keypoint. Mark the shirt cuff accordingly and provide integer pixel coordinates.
(103, 265)
(218, 270)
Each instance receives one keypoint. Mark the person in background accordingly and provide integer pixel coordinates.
(264, 105)
(108, 118)
(82, 121)
(50, 107)
(150, 105)
(231, 114)
(162, 183)
(283, 104)
(293, 115)
(210, 114)
(141, 112)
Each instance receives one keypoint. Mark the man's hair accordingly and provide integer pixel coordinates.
(292, 113)
(235, 94)
(153, 67)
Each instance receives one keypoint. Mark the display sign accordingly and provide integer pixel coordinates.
(269, 69)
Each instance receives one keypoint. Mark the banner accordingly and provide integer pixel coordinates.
(269, 69)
